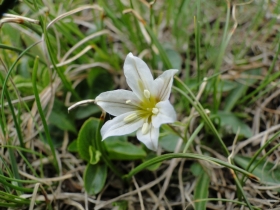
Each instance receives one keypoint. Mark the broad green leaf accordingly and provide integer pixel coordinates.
(73, 146)
(60, 118)
(231, 123)
(62, 121)
(175, 58)
(99, 80)
(169, 142)
(234, 96)
(265, 170)
(212, 53)
(122, 150)
(227, 85)
(13, 37)
(94, 155)
(86, 137)
(94, 178)
(196, 169)
(250, 76)
(86, 111)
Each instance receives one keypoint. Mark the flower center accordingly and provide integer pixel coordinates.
(146, 110)
(148, 105)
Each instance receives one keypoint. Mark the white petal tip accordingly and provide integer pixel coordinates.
(152, 147)
(174, 70)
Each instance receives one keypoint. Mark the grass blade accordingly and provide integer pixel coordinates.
(40, 110)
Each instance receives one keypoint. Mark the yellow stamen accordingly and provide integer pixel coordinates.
(155, 111)
(130, 117)
(145, 128)
(147, 94)
(128, 101)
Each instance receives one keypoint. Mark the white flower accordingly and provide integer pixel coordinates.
(144, 108)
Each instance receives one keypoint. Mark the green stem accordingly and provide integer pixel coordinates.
(202, 113)
(204, 116)
(224, 44)
(184, 155)
(100, 147)
(52, 57)
(259, 152)
(193, 156)
(6, 47)
(40, 110)
(6, 93)
(197, 42)
(190, 140)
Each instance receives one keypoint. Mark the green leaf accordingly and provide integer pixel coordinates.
(23, 68)
(122, 150)
(122, 205)
(73, 146)
(243, 84)
(169, 142)
(12, 35)
(86, 137)
(196, 169)
(175, 58)
(227, 85)
(201, 191)
(202, 185)
(83, 112)
(223, 86)
(154, 166)
(24, 84)
(99, 81)
(36, 50)
(234, 96)
(61, 119)
(46, 78)
(265, 170)
(231, 123)
(94, 155)
(94, 178)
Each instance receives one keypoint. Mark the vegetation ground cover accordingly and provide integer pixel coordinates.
(221, 153)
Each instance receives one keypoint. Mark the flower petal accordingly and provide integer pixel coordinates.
(162, 84)
(150, 139)
(114, 102)
(138, 75)
(166, 114)
(118, 127)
